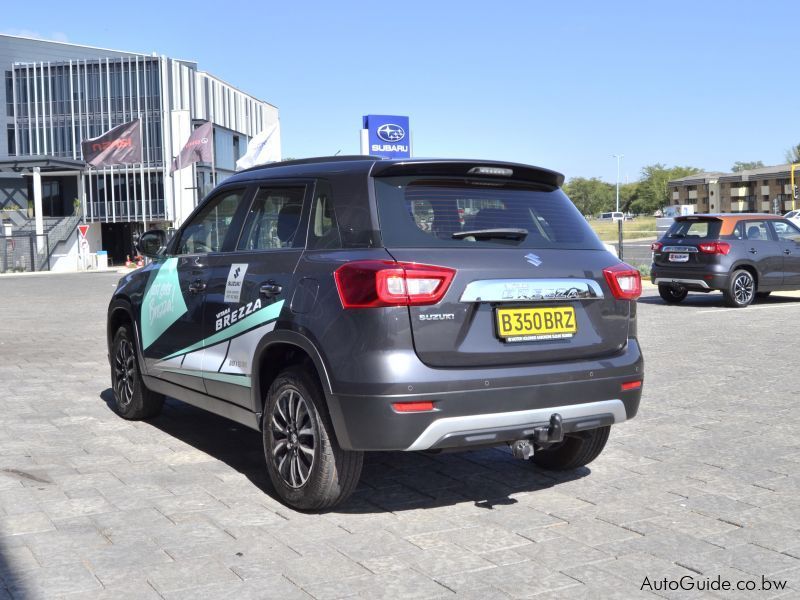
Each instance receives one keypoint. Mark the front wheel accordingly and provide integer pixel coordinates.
(306, 465)
(672, 294)
(132, 399)
(577, 450)
(741, 290)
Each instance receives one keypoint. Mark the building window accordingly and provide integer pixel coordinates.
(9, 94)
(12, 146)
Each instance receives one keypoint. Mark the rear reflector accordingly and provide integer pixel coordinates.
(373, 283)
(406, 407)
(631, 385)
(625, 281)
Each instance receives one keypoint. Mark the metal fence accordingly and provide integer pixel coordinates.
(26, 250)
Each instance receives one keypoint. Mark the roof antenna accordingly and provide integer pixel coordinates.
(337, 152)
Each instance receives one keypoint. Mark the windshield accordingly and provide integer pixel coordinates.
(464, 213)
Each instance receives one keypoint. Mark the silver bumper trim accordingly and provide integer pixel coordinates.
(668, 280)
(484, 423)
(531, 290)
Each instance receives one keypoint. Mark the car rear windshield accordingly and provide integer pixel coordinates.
(461, 213)
(700, 229)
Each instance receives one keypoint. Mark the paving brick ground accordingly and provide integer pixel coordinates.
(704, 483)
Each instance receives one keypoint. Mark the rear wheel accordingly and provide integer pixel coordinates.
(577, 450)
(306, 465)
(741, 289)
(132, 400)
(672, 294)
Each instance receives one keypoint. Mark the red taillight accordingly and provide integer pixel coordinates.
(714, 247)
(656, 246)
(373, 283)
(625, 281)
(404, 407)
(631, 385)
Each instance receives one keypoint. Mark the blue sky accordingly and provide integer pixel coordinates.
(559, 84)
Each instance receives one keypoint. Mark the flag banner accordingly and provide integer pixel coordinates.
(120, 145)
(262, 149)
(199, 148)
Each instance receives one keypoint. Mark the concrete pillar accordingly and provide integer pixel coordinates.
(37, 208)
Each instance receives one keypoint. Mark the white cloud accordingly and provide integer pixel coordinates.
(56, 36)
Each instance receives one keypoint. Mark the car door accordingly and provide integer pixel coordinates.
(762, 249)
(173, 303)
(250, 286)
(788, 236)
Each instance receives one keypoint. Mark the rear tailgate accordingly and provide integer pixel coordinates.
(516, 298)
(464, 330)
(680, 245)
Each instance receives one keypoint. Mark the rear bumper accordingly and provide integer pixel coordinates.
(509, 404)
(694, 279)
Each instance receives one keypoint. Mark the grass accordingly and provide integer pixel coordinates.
(640, 227)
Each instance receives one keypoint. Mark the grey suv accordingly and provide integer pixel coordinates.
(351, 304)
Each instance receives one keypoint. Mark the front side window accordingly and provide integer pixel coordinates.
(786, 231)
(207, 230)
(274, 219)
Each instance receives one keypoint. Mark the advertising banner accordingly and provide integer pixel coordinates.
(388, 136)
(199, 148)
(119, 145)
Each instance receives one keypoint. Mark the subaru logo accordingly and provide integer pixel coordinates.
(389, 132)
(533, 259)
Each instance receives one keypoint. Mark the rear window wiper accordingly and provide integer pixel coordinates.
(488, 234)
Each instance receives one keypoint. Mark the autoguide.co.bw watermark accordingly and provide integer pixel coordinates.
(694, 583)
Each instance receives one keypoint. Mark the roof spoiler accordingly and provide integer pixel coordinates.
(468, 168)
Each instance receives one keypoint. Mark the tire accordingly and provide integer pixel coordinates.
(741, 290)
(132, 399)
(672, 294)
(305, 463)
(762, 295)
(577, 450)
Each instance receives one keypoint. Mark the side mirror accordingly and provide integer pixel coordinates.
(152, 243)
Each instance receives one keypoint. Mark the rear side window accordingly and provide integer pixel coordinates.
(323, 232)
(474, 214)
(695, 229)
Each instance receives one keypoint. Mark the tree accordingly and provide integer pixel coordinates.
(653, 193)
(793, 154)
(590, 195)
(740, 165)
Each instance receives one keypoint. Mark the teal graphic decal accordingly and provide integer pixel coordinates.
(264, 315)
(163, 303)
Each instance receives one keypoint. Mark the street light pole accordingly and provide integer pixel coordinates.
(618, 157)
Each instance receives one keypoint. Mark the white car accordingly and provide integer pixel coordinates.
(793, 216)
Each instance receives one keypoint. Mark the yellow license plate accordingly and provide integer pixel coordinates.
(529, 324)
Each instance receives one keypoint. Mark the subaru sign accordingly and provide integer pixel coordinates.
(387, 136)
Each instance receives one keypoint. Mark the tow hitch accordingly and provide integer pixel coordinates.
(551, 434)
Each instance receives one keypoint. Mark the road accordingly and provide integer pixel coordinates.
(702, 484)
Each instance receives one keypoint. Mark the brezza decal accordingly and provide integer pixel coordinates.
(233, 287)
(163, 302)
(229, 316)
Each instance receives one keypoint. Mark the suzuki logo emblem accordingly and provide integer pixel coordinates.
(533, 259)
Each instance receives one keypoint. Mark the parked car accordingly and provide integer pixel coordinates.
(342, 305)
(793, 216)
(745, 256)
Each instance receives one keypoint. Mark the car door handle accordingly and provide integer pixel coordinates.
(197, 286)
(270, 289)
(753, 251)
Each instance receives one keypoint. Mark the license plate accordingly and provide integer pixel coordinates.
(534, 324)
(678, 258)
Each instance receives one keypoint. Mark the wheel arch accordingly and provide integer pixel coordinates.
(749, 267)
(284, 349)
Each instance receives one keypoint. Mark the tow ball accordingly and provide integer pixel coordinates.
(551, 434)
